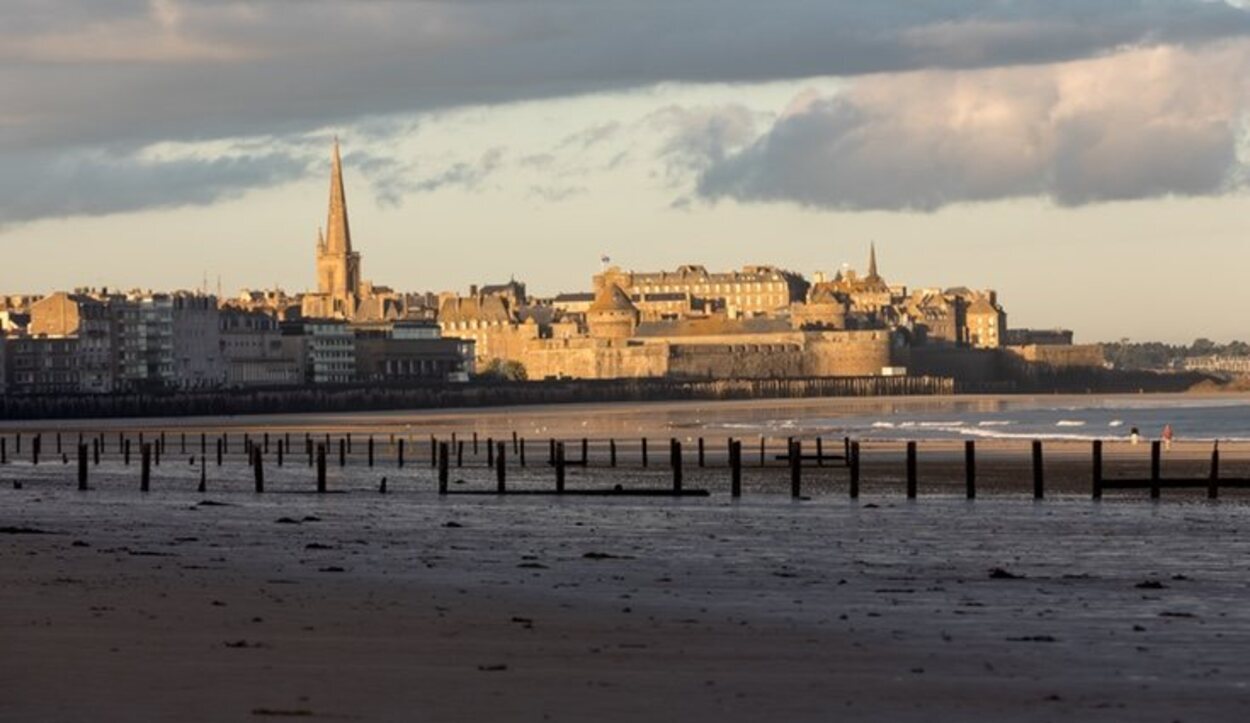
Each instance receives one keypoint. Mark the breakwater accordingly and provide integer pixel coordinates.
(369, 397)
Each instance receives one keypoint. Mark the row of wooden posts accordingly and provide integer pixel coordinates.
(441, 452)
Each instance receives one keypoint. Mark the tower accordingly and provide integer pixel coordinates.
(872, 262)
(338, 267)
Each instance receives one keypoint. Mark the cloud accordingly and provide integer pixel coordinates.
(1140, 123)
(38, 185)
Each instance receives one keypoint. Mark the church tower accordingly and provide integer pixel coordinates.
(338, 267)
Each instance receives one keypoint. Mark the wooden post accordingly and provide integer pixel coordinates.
(700, 451)
(444, 455)
(4, 450)
(551, 451)
(1039, 482)
(490, 452)
(853, 458)
(560, 467)
(342, 452)
(674, 457)
(521, 451)
(970, 468)
(433, 450)
(796, 468)
(585, 452)
(1213, 489)
(762, 451)
(182, 442)
(501, 468)
(735, 468)
(258, 469)
(460, 454)
(611, 452)
(321, 467)
(515, 450)
(1155, 449)
(82, 467)
(846, 451)
(1097, 467)
(203, 474)
(911, 470)
(145, 468)
(399, 453)
(281, 450)
(34, 449)
(644, 451)
(474, 445)
(204, 444)
(371, 450)
(95, 450)
(219, 450)
(126, 454)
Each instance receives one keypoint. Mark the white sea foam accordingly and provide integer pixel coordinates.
(1116, 423)
(994, 423)
(1069, 423)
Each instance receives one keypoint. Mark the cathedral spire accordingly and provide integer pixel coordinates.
(872, 260)
(338, 233)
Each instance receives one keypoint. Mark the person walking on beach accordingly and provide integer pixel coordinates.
(1167, 436)
(1133, 435)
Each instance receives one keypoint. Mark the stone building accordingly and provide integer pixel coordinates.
(144, 339)
(341, 294)
(753, 291)
(196, 339)
(42, 364)
(324, 348)
(86, 319)
(253, 352)
(406, 352)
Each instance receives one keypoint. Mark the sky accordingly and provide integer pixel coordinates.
(1089, 159)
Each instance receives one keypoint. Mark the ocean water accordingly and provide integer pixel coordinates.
(1027, 418)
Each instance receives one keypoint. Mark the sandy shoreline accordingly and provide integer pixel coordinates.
(405, 607)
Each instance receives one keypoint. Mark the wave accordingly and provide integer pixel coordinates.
(1069, 423)
(1116, 423)
(994, 423)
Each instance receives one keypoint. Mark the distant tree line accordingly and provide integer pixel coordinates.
(1125, 354)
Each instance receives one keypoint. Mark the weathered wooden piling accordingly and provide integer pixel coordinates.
(258, 469)
(1156, 448)
(796, 468)
(763, 451)
(475, 443)
(145, 468)
(911, 470)
(1097, 469)
(95, 450)
(674, 458)
(852, 457)
(1213, 489)
(611, 452)
(182, 443)
(444, 455)
(220, 450)
(370, 446)
(970, 468)
(846, 451)
(459, 454)
(82, 468)
(265, 442)
(1039, 480)
(820, 452)
(35, 444)
(4, 450)
(514, 442)
(342, 452)
(585, 452)
(321, 467)
(559, 467)
(58, 441)
(490, 452)
(501, 469)
(701, 460)
(203, 474)
(644, 451)
(281, 451)
(735, 468)
(399, 453)
(551, 451)
(521, 451)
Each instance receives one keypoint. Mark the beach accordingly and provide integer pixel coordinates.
(410, 605)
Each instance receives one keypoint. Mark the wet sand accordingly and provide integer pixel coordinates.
(413, 607)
